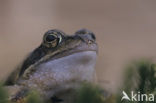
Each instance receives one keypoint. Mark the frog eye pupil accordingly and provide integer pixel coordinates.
(50, 38)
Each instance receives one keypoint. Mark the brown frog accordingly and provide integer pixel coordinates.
(60, 64)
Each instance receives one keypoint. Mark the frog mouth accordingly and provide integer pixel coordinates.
(78, 49)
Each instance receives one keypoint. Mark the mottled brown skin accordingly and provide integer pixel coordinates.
(56, 44)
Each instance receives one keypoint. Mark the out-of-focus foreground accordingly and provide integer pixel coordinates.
(125, 30)
(139, 77)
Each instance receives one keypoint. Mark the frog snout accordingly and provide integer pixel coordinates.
(86, 35)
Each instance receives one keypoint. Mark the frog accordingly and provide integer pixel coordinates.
(60, 64)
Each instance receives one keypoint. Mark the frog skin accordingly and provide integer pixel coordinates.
(61, 63)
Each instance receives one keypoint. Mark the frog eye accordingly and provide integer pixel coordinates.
(52, 39)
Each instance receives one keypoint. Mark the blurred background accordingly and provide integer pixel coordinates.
(125, 30)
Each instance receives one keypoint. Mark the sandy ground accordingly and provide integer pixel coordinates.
(125, 30)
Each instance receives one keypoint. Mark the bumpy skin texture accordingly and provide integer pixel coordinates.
(62, 62)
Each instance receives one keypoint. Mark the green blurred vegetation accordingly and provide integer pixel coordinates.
(90, 93)
(3, 94)
(140, 76)
(33, 97)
